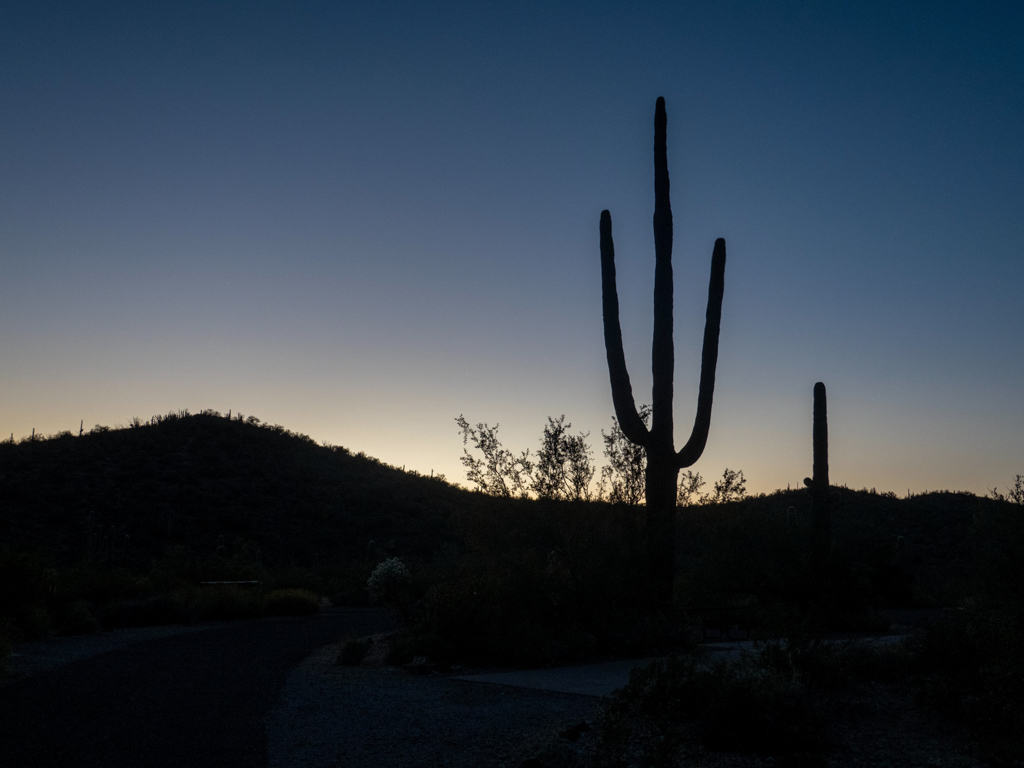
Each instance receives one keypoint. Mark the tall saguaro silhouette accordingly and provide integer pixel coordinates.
(818, 484)
(663, 461)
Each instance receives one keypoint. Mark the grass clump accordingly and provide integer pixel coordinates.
(291, 602)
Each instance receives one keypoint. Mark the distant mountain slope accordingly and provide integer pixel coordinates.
(191, 479)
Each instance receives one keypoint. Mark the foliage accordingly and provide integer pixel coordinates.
(741, 706)
(1014, 495)
(688, 493)
(80, 619)
(196, 480)
(6, 644)
(971, 668)
(26, 582)
(764, 701)
(227, 603)
(388, 583)
(622, 479)
(291, 602)
(149, 611)
(499, 472)
(564, 469)
(541, 582)
(732, 487)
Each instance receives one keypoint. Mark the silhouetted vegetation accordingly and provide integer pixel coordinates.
(766, 701)
(119, 527)
(658, 442)
(291, 602)
(971, 668)
(818, 484)
(563, 468)
(127, 527)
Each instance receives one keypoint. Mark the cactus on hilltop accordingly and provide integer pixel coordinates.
(818, 484)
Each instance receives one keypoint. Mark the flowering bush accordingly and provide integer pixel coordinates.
(388, 581)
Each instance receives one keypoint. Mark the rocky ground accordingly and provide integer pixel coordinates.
(336, 716)
(874, 726)
(324, 714)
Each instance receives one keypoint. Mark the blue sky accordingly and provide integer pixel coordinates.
(360, 220)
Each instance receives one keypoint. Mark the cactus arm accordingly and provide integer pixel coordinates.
(662, 349)
(622, 391)
(689, 453)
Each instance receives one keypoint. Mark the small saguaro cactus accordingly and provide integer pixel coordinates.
(818, 485)
(663, 461)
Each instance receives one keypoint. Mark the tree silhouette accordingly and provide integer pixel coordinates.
(663, 461)
(499, 472)
(563, 469)
(622, 479)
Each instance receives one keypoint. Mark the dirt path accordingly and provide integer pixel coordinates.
(195, 699)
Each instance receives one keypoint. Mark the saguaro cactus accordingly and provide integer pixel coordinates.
(663, 461)
(818, 485)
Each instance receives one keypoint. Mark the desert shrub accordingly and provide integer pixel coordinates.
(405, 646)
(79, 619)
(6, 643)
(295, 577)
(100, 584)
(971, 667)
(347, 585)
(534, 583)
(738, 706)
(155, 610)
(353, 651)
(180, 568)
(741, 563)
(291, 602)
(388, 583)
(490, 613)
(762, 702)
(833, 664)
(26, 583)
(999, 540)
(401, 650)
(227, 603)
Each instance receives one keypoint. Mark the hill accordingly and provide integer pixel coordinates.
(201, 480)
(922, 550)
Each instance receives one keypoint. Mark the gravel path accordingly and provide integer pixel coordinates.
(256, 693)
(344, 716)
(190, 699)
(37, 656)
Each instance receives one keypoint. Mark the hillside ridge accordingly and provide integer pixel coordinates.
(198, 480)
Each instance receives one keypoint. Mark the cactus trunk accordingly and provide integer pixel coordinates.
(818, 484)
(663, 461)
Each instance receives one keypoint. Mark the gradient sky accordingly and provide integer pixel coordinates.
(362, 219)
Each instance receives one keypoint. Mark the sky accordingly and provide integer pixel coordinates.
(360, 220)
